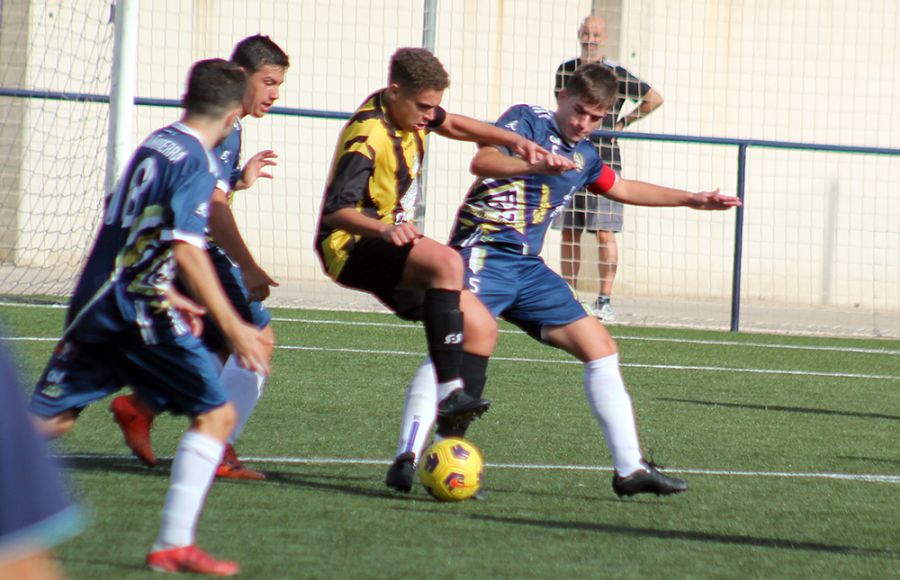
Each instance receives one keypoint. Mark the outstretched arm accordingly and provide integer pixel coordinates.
(464, 128)
(642, 193)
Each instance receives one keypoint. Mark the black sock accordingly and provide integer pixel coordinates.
(444, 332)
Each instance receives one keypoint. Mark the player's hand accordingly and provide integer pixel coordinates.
(256, 168)
(552, 164)
(528, 150)
(257, 282)
(250, 346)
(713, 200)
(401, 234)
(190, 310)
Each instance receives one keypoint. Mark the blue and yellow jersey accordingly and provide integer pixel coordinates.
(515, 212)
(376, 170)
(162, 198)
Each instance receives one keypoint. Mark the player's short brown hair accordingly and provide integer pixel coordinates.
(215, 87)
(417, 70)
(257, 51)
(595, 83)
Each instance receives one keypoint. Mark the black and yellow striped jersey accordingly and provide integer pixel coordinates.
(377, 170)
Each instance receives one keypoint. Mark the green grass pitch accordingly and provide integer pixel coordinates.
(760, 426)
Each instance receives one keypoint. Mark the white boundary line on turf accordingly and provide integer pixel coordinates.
(619, 337)
(861, 477)
(564, 361)
(401, 325)
(629, 365)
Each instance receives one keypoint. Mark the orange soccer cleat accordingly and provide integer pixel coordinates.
(135, 419)
(190, 559)
(232, 467)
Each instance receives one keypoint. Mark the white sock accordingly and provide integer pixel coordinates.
(193, 469)
(419, 411)
(244, 388)
(444, 389)
(611, 404)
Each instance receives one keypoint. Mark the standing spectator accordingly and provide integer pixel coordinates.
(591, 212)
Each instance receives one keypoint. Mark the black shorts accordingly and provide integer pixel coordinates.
(376, 266)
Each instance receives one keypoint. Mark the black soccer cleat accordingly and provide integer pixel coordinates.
(459, 405)
(400, 473)
(648, 480)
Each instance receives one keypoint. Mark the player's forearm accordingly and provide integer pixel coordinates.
(224, 230)
(464, 128)
(651, 101)
(350, 220)
(490, 162)
(635, 192)
(196, 270)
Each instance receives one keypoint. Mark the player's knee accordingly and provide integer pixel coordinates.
(447, 269)
(480, 332)
(606, 346)
(55, 427)
(217, 423)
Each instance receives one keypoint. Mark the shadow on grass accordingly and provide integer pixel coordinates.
(782, 408)
(101, 462)
(359, 485)
(335, 484)
(687, 535)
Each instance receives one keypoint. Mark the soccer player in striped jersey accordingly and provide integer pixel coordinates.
(244, 281)
(123, 326)
(367, 240)
(499, 232)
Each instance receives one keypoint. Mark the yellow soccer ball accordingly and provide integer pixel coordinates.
(452, 469)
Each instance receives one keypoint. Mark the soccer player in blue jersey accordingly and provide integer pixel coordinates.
(123, 326)
(244, 281)
(499, 232)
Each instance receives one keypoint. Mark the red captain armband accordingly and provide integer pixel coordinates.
(604, 182)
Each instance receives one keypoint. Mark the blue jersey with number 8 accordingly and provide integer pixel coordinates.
(162, 198)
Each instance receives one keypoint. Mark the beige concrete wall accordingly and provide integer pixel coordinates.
(821, 228)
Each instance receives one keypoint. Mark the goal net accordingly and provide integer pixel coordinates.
(822, 229)
(54, 64)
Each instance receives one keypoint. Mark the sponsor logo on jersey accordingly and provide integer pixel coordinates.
(578, 160)
(202, 210)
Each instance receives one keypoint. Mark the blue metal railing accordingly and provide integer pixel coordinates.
(741, 144)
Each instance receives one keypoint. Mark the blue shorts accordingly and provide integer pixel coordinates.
(177, 374)
(253, 312)
(520, 289)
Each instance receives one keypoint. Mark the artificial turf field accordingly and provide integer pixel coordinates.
(791, 447)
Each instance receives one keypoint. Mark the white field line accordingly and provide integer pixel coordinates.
(564, 361)
(628, 365)
(620, 337)
(862, 477)
(411, 326)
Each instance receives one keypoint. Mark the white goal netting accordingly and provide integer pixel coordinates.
(821, 238)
